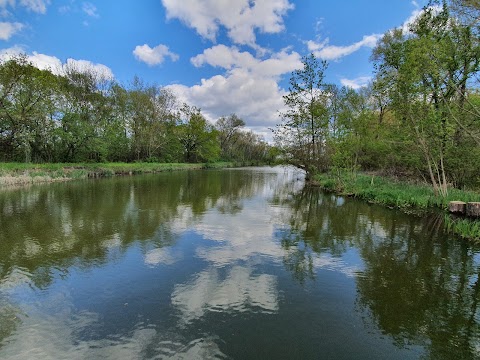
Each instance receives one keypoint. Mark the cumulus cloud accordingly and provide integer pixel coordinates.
(356, 83)
(8, 53)
(325, 51)
(153, 56)
(241, 18)
(8, 29)
(100, 70)
(55, 65)
(38, 6)
(46, 62)
(248, 87)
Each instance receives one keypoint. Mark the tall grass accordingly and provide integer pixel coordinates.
(403, 195)
(463, 227)
(21, 173)
(391, 192)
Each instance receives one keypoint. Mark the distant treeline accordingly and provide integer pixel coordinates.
(82, 116)
(419, 118)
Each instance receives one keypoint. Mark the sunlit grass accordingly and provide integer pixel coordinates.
(403, 195)
(21, 173)
(391, 192)
(463, 227)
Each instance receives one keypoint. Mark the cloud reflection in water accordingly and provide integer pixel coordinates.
(240, 291)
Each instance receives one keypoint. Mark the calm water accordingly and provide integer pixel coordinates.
(230, 264)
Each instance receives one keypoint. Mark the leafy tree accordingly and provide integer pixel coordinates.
(355, 142)
(26, 110)
(197, 136)
(303, 134)
(152, 117)
(229, 134)
(84, 112)
(426, 73)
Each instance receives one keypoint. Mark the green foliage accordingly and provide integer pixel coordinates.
(82, 116)
(198, 137)
(22, 173)
(303, 134)
(465, 228)
(426, 73)
(412, 198)
(391, 192)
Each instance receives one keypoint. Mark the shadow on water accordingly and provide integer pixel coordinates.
(417, 284)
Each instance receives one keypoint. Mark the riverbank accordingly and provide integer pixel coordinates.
(408, 197)
(24, 174)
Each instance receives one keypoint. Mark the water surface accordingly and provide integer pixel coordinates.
(228, 264)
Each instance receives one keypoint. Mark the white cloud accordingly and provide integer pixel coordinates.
(101, 70)
(55, 65)
(414, 16)
(8, 53)
(356, 83)
(3, 7)
(240, 290)
(248, 87)
(46, 62)
(38, 6)
(240, 17)
(409, 22)
(153, 56)
(8, 29)
(90, 9)
(332, 52)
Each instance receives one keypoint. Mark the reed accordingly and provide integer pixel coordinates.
(409, 197)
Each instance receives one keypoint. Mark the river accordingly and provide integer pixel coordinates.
(228, 264)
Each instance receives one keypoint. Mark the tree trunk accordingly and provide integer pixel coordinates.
(473, 209)
(457, 207)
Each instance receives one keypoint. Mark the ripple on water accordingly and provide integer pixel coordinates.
(15, 277)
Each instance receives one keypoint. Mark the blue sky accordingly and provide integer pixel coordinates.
(224, 56)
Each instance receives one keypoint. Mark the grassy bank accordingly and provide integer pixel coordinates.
(23, 174)
(408, 197)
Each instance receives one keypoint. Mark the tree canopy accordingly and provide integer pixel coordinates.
(79, 116)
(419, 117)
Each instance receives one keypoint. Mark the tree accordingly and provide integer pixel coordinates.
(426, 72)
(197, 136)
(229, 134)
(152, 115)
(355, 140)
(303, 134)
(85, 111)
(27, 111)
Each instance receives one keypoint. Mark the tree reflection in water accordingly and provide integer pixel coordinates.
(47, 230)
(418, 284)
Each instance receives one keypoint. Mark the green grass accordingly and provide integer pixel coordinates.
(406, 196)
(21, 173)
(466, 228)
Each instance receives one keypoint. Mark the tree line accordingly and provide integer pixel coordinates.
(80, 115)
(418, 118)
